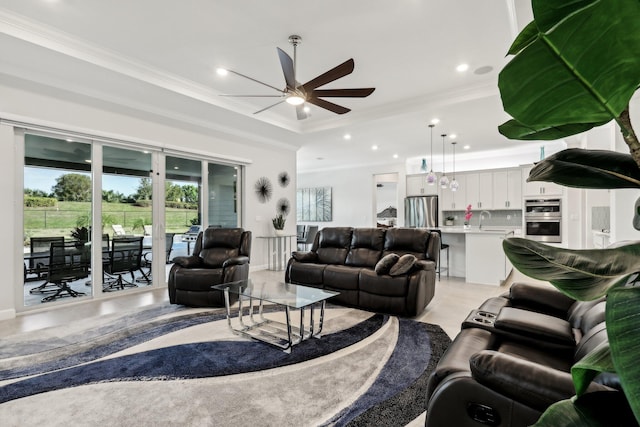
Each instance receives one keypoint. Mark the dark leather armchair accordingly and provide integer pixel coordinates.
(220, 255)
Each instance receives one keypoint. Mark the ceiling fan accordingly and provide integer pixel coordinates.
(297, 94)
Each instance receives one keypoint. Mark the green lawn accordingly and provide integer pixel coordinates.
(61, 220)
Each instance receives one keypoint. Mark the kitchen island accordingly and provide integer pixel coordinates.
(477, 255)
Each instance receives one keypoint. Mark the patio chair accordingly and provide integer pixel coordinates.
(38, 261)
(147, 258)
(118, 230)
(38, 258)
(309, 237)
(68, 262)
(125, 257)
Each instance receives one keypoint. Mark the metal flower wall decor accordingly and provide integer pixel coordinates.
(263, 189)
(283, 207)
(284, 179)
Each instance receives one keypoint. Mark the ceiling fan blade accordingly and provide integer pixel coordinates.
(333, 74)
(338, 109)
(270, 106)
(344, 93)
(300, 113)
(252, 96)
(287, 68)
(254, 80)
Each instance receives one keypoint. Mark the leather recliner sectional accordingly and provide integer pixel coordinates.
(343, 259)
(512, 359)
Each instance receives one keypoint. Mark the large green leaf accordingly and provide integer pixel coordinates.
(513, 129)
(586, 369)
(576, 167)
(623, 329)
(599, 409)
(583, 67)
(581, 274)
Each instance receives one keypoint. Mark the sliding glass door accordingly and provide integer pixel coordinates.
(101, 217)
(127, 218)
(57, 219)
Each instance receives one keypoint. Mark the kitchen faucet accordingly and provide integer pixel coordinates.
(483, 212)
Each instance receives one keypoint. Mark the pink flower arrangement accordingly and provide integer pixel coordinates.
(467, 214)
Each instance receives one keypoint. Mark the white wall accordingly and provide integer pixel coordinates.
(40, 105)
(353, 193)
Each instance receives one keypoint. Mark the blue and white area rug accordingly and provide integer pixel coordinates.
(169, 365)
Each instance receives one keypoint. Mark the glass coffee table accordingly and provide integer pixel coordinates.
(289, 296)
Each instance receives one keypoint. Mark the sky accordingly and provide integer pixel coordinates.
(43, 179)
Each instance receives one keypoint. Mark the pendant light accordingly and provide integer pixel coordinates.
(444, 181)
(453, 185)
(431, 177)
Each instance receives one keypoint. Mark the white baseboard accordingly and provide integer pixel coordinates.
(7, 314)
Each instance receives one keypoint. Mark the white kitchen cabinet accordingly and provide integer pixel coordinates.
(417, 186)
(486, 262)
(539, 188)
(479, 190)
(507, 189)
(454, 200)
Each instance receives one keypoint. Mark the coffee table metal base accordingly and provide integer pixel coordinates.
(283, 335)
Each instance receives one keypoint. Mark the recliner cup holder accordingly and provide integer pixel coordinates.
(486, 315)
(483, 320)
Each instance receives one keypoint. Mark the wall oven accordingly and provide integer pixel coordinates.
(543, 220)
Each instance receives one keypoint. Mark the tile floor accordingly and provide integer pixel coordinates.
(453, 300)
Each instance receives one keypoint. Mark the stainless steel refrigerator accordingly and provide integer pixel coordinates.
(421, 212)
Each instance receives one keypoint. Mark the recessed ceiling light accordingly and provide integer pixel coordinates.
(395, 156)
(347, 136)
(453, 136)
(462, 68)
(435, 121)
(466, 147)
(222, 72)
(374, 147)
(176, 167)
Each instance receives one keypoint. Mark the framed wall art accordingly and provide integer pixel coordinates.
(314, 204)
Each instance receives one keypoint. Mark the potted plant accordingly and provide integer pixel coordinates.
(589, 51)
(467, 216)
(278, 224)
(449, 220)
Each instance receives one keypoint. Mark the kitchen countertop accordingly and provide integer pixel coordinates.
(485, 230)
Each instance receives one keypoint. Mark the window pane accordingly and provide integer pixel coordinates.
(182, 202)
(222, 200)
(126, 218)
(57, 209)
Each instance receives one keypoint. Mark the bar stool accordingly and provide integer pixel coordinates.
(443, 246)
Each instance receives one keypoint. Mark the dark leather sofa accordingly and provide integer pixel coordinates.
(512, 359)
(343, 259)
(220, 255)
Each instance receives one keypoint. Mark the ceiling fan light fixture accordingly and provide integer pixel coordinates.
(295, 100)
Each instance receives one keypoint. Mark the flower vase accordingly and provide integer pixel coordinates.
(279, 232)
(467, 226)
